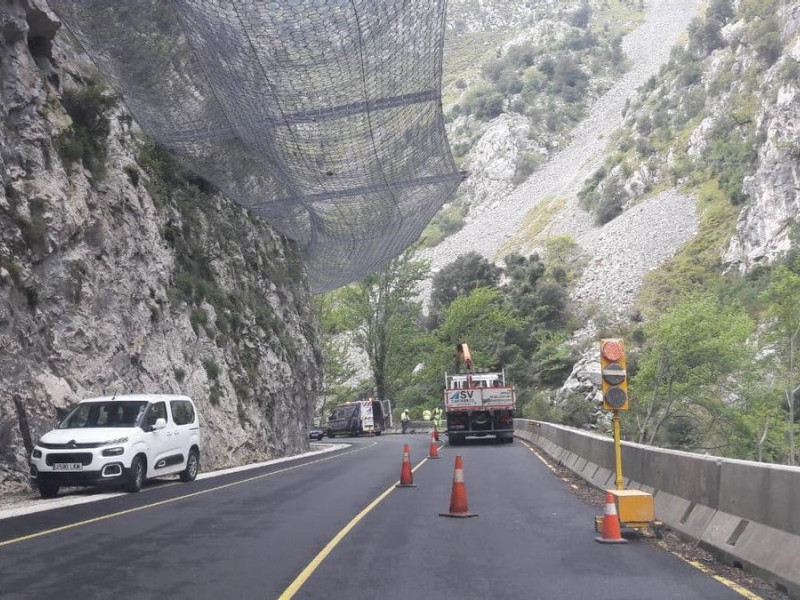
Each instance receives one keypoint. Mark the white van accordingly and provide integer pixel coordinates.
(120, 440)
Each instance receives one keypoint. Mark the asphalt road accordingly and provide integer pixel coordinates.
(249, 535)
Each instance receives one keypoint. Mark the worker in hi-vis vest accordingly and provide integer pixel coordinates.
(404, 419)
(437, 418)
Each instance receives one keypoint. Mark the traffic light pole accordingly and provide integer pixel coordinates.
(617, 452)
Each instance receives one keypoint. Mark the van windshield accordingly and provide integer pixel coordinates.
(113, 413)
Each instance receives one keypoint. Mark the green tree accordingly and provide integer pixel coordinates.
(780, 299)
(479, 319)
(335, 348)
(460, 277)
(373, 307)
(690, 352)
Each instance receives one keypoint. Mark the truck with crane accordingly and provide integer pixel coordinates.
(477, 402)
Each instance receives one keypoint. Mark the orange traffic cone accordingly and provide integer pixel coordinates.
(406, 476)
(612, 534)
(436, 433)
(458, 497)
(434, 451)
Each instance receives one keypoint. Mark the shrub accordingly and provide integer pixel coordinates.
(721, 10)
(612, 199)
(133, 174)
(33, 231)
(509, 83)
(215, 394)
(521, 55)
(198, 317)
(580, 18)
(488, 107)
(32, 296)
(212, 368)
(180, 374)
(89, 108)
(493, 68)
(526, 165)
(768, 45)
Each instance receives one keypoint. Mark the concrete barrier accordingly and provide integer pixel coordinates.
(413, 427)
(746, 513)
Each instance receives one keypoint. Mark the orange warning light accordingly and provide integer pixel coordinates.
(614, 374)
(612, 350)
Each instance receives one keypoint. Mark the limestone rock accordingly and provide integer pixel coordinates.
(110, 284)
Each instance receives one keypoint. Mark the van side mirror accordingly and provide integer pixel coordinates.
(159, 424)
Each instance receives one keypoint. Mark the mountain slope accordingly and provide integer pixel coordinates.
(489, 230)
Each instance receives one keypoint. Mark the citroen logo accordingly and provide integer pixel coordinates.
(72, 444)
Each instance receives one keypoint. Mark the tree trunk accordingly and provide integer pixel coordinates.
(670, 401)
(650, 407)
(762, 440)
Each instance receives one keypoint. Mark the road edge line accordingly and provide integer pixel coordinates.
(67, 501)
(45, 532)
(742, 591)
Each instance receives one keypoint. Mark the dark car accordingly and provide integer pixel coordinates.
(315, 433)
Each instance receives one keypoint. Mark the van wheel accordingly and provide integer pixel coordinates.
(192, 467)
(134, 477)
(48, 490)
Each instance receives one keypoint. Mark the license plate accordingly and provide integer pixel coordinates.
(67, 467)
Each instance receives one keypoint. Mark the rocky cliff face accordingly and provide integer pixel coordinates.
(765, 226)
(723, 118)
(119, 273)
(720, 122)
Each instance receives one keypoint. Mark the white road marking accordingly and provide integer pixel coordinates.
(33, 506)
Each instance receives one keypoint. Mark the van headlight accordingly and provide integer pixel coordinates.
(36, 453)
(114, 451)
(115, 442)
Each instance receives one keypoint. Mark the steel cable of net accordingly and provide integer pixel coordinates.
(323, 117)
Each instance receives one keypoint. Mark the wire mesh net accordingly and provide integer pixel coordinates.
(321, 116)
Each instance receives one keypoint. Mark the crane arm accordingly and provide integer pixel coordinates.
(463, 356)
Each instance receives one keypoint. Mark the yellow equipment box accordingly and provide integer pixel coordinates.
(634, 507)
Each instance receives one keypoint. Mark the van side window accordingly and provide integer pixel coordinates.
(157, 411)
(182, 412)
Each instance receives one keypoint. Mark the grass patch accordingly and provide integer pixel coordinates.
(535, 222)
(463, 56)
(445, 222)
(618, 16)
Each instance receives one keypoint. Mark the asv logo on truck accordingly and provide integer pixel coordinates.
(462, 395)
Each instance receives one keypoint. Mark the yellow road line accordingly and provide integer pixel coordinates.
(723, 580)
(300, 580)
(699, 566)
(170, 500)
(539, 456)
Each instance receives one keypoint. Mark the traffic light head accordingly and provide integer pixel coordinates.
(614, 372)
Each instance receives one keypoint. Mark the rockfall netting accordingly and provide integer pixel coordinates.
(321, 116)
